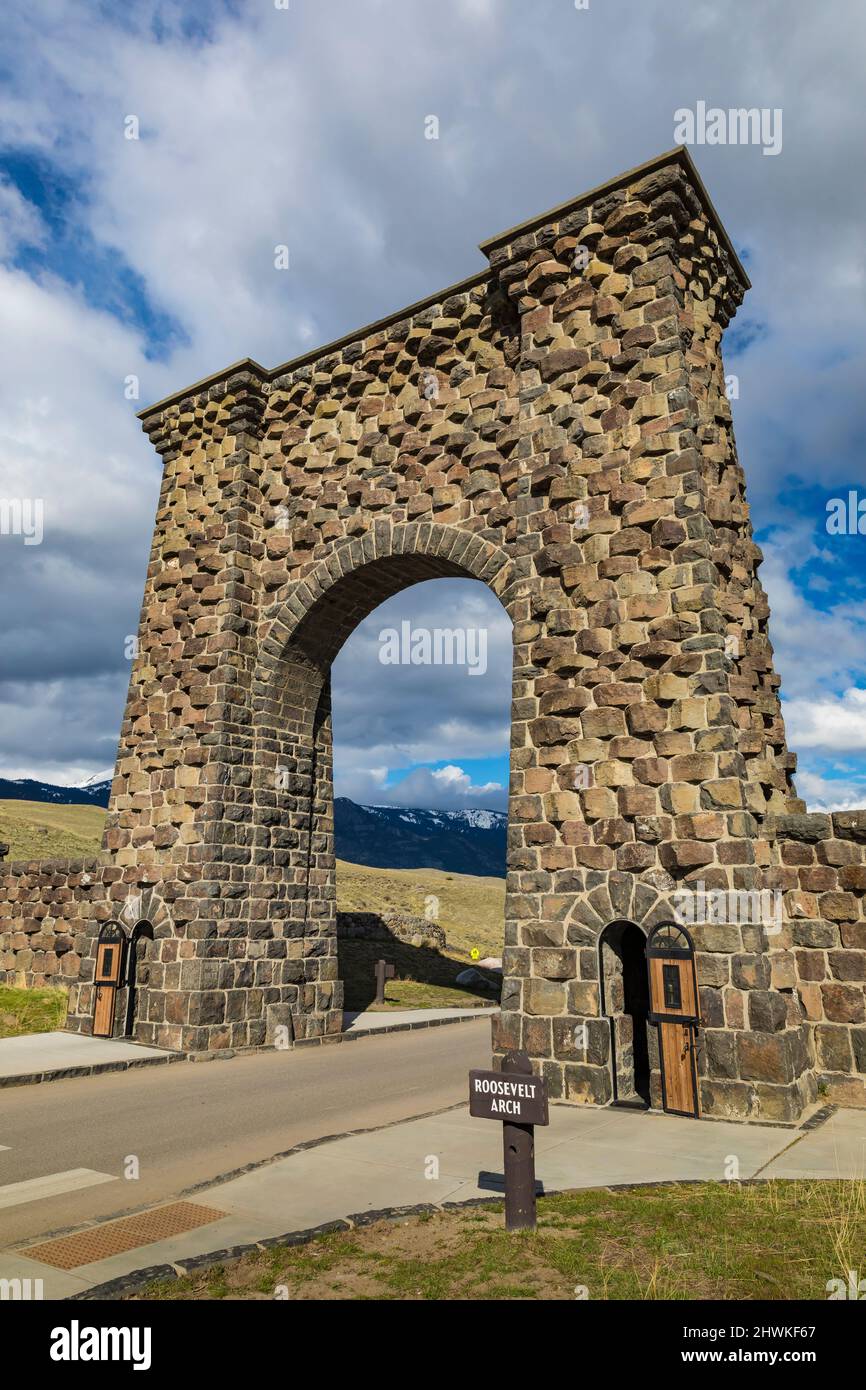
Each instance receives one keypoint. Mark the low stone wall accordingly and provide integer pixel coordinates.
(390, 926)
(51, 912)
(48, 909)
(821, 869)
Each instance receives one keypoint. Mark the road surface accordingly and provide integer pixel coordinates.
(187, 1123)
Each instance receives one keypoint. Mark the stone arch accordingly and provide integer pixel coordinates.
(389, 557)
(621, 899)
(646, 901)
(630, 561)
(145, 904)
(302, 631)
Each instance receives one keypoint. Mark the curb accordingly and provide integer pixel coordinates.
(138, 1279)
(305, 1144)
(393, 1028)
(35, 1078)
(99, 1068)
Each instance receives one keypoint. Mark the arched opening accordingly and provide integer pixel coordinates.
(137, 973)
(293, 774)
(625, 1002)
(421, 714)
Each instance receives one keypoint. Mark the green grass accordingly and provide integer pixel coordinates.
(776, 1240)
(31, 1011)
(416, 994)
(424, 976)
(41, 830)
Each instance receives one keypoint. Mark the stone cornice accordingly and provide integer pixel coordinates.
(247, 365)
(678, 155)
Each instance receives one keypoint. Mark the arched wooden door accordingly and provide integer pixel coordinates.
(675, 1008)
(110, 959)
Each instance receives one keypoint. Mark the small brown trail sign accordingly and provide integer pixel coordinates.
(518, 1099)
(384, 972)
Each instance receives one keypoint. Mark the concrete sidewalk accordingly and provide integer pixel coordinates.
(36, 1057)
(389, 1167)
(39, 1056)
(380, 1020)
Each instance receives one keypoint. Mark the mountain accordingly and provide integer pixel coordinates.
(397, 837)
(88, 793)
(382, 837)
(97, 779)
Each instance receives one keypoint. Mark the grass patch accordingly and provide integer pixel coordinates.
(42, 830)
(776, 1240)
(471, 909)
(418, 994)
(31, 1011)
(425, 977)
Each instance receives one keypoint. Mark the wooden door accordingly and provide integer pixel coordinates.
(675, 1008)
(680, 1095)
(109, 972)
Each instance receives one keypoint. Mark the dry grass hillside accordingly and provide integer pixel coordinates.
(41, 830)
(470, 909)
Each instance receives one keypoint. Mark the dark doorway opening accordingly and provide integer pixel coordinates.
(137, 974)
(625, 1001)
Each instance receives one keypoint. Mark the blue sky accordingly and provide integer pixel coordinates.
(153, 258)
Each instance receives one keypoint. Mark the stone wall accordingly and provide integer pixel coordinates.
(820, 865)
(555, 426)
(51, 912)
(390, 926)
(47, 908)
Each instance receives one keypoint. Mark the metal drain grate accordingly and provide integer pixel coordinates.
(114, 1237)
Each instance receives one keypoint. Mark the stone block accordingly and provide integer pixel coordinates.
(544, 997)
(764, 1057)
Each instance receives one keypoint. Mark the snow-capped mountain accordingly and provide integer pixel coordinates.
(384, 837)
(96, 779)
(92, 792)
(399, 837)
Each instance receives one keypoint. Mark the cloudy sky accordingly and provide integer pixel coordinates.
(303, 124)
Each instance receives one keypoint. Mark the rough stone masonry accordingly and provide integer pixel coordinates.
(555, 426)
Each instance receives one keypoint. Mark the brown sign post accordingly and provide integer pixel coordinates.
(519, 1099)
(384, 972)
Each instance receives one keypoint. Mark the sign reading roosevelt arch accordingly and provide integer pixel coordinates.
(556, 426)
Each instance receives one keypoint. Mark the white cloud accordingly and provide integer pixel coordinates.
(20, 222)
(837, 725)
(831, 794)
(820, 655)
(444, 789)
(305, 127)
(816, 649)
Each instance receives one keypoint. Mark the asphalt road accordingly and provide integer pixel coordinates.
(187, 1123)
